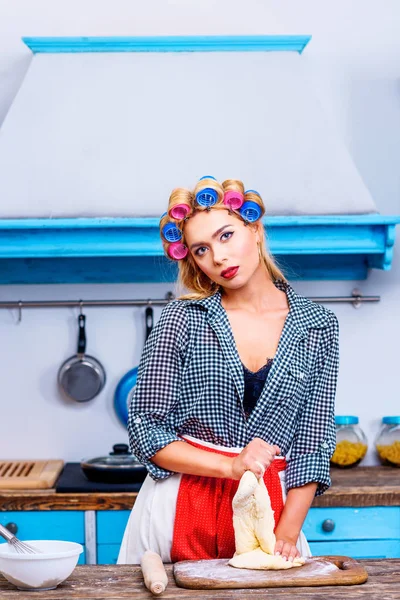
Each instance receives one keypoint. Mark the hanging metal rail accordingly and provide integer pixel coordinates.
(356, 299)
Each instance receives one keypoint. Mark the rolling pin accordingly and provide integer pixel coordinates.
(155, 577)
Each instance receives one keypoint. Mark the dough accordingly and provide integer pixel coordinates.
(253, 522)
(258, 559)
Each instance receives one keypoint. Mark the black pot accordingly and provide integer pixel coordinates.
(120, 466)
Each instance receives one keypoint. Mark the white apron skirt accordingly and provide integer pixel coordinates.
(151, 522)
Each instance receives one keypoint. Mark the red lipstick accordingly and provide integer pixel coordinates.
(229, 273)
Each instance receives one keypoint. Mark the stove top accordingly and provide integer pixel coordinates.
(72, 479)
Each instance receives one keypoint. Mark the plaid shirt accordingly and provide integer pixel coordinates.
(190, 381)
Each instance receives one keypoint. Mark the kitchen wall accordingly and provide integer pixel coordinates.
(354, 59)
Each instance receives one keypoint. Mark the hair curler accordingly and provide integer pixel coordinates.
(177, 250)
(208, 196)
(171, 232)
(233, 199)
(179, 211)
(250, 211)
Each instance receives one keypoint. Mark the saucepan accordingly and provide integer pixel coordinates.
(81, 377)
(120, 466)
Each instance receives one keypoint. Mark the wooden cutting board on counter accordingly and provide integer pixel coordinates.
(29, 474)
(318, 570)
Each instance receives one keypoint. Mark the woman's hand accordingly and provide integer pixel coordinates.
(255, 457)
(286, 547)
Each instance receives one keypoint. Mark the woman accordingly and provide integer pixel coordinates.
(240, 374)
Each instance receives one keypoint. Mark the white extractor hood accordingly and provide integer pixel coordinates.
(106, 133)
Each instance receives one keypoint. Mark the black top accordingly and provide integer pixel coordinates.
(253, 385)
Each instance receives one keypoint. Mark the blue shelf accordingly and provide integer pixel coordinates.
(128, 250)
(202, 43)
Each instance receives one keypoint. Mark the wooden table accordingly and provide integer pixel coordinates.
(116, 582)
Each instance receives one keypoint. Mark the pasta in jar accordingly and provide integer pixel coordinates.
(388, 441)
(351, 443)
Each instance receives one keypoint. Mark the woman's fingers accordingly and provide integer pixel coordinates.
(255, 457)
(279, 546)
(287, 550)
(260, 458)
(294, 553)
(258, 443)
(261, 471)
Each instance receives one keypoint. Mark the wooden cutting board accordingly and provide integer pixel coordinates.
(318, 570)
(29, 474)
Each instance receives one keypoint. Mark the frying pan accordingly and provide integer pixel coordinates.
(125, 387)
(81, 377)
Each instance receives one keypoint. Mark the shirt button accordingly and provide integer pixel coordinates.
(324, 445)
(137, 420)
(301, 375)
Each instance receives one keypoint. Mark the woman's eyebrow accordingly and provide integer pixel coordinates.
(214, 235)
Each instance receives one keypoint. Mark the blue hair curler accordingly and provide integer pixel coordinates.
(171, 232)
(207, 197)
(250, 211)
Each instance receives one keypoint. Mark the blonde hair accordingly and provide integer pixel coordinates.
(190, 275)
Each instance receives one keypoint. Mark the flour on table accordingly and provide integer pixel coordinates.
(253, 522)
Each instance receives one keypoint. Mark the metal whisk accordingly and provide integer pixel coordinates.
(20, 547)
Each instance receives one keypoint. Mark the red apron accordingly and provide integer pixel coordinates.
(203, 527)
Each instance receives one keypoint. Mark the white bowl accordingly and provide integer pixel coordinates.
(43, 571)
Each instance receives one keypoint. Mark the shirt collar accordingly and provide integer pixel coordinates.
(304, 313)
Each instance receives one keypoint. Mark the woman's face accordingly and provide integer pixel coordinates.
(223, 247)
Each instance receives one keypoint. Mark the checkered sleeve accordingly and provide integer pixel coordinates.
(315, 437)
(157, 389)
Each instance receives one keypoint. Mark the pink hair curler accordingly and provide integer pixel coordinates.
(233, 199)
(177, 250)
(179, 211)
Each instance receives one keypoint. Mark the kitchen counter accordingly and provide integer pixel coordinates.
(360, 486)
(125, 581)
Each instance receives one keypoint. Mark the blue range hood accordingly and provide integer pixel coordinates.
(124, 250)
(49, 138)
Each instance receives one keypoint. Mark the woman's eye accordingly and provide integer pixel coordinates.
(200, 251)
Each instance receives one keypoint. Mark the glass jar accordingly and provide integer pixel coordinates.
(388, 441)
(351, 443)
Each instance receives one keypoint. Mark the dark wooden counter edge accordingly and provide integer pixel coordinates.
(50, 500)
(117, 582)
(360, 487)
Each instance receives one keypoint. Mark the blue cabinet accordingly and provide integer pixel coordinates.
(49, 525)
(358, 549)
(370, 532)
(110, 530)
